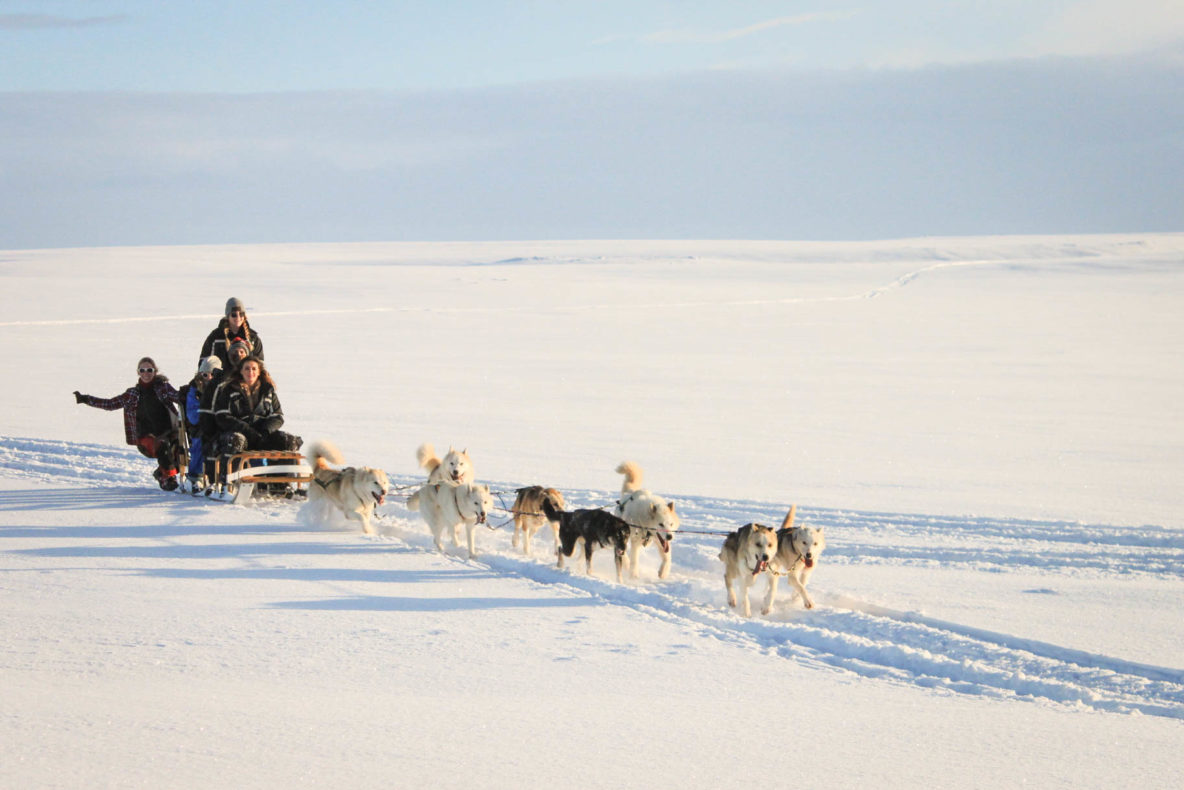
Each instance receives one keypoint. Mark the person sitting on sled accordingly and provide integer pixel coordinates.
(248, 412)
(232, 327)
(192, 395)
(249, 415)
(149, 419)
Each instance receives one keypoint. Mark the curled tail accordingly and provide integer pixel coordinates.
(632, 474)
(322, 453)
(427, 458)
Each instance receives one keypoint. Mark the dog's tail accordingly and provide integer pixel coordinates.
(632, 474)
(427, 458)
(788, 522)
(322, 453)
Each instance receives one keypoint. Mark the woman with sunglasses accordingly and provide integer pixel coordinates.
(232, 327)
(149, 419)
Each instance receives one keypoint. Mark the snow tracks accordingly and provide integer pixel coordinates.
(844, 633)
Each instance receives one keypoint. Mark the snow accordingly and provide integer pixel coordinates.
(989, 430)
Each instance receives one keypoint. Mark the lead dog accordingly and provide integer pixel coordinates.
(355, 491)
(798, 549)
(529, 515)
(649, 515)
(594, 528)
(447, 507)
(746, 554)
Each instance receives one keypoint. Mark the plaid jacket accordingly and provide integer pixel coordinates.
(129, 401)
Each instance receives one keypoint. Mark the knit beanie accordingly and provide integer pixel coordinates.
(235, 304)
(209, 365)
(238, 342)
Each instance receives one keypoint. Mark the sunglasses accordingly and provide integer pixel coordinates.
(147, 370)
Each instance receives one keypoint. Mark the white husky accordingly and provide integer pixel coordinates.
(356, 492)
(447, 507)
(455, 468)
(798, 548)
(647, 514)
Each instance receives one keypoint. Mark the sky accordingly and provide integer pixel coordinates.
(142, 122)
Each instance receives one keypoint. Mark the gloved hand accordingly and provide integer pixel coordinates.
(78, 396)
(253, 436)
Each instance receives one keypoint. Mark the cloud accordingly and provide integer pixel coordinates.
(687, 36)
(1108, 27)
(1042, 145)
(54, 22)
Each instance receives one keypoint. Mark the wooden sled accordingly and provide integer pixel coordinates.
(241, 477)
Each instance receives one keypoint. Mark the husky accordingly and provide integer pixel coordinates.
(447, 507)
(454, 469)
(798, 548)
(355, 491)
(746, 554)
(649, 515)
(594, 528)
(529, 515)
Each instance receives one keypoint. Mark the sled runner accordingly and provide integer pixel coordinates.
(261, 467)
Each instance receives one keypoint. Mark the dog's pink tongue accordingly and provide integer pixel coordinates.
(809, 562)
(760, 566)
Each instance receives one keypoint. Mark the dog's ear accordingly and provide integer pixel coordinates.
(671, 506)
(654, 509)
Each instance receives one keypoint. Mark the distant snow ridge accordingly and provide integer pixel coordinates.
(844, 633)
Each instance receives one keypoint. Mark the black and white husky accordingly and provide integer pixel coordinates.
(593, 527)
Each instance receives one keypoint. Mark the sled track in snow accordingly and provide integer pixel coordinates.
(842, 633)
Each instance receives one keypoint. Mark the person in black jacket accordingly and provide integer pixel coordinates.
(232, 327)
(248, 412)
(150, 419)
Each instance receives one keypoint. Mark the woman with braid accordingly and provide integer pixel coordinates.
(233, 327)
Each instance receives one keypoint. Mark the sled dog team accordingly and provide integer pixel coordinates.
(450, 499)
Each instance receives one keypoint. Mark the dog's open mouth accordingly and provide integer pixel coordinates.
(480, 518)
(761, 567)
(456, 477)
(663, 540)
(379, 497)
(809, 561)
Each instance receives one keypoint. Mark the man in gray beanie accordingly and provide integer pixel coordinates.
(232, 327)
